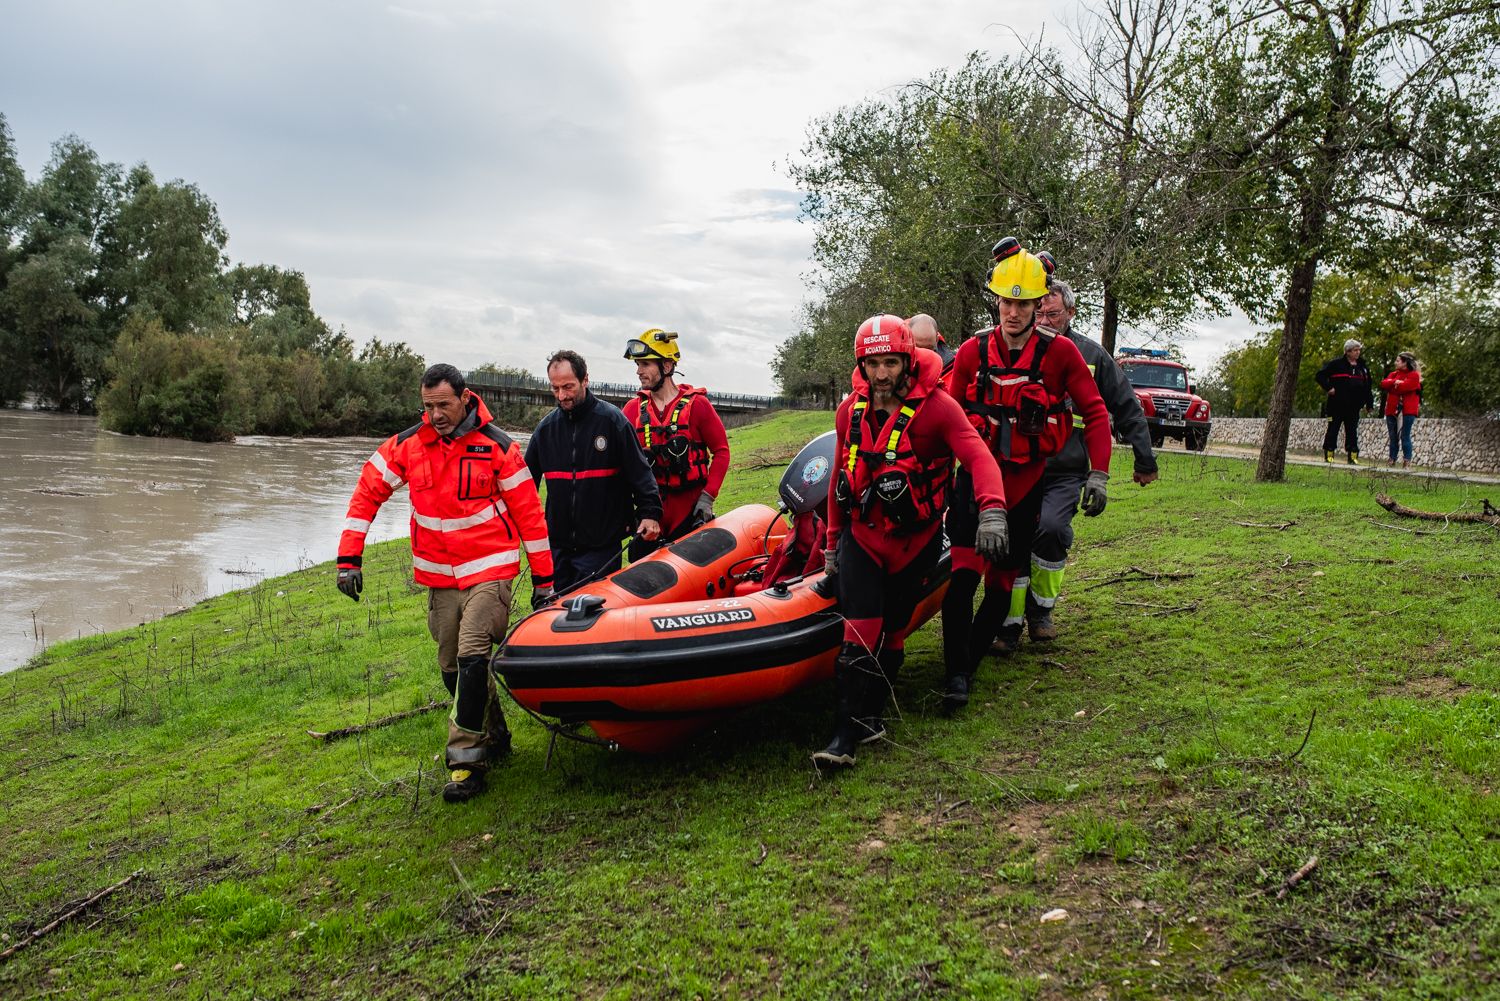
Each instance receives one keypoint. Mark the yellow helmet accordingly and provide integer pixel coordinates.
(1018, 274)
(654, 345)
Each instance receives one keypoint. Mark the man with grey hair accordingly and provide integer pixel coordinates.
(1347, 382)
(1067, 471)
(924, 330)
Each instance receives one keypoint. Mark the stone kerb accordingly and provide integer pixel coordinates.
(1436, 442)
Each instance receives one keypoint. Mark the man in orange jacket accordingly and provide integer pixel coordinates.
(474, 508)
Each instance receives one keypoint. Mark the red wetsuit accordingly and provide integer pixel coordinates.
(876, 554)
(708, 458)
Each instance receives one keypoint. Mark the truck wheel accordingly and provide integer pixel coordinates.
(1156, 439)
(1196, 441)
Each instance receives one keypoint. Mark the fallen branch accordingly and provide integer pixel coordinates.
(1255, 524)
(1398, 528)
(1390, 504)
(350, 731)
(1135, 574)
(70, 915)
(1297, 877)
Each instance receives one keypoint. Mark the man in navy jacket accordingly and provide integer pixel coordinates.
(599, 483)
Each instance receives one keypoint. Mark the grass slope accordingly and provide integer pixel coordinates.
(1141, 774)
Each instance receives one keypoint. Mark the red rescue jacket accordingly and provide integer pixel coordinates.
(1020, 404)
(680, 460)
(919, 442)
(474, 505)
(1403, 392)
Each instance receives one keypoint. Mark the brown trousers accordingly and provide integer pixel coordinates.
(467, 623)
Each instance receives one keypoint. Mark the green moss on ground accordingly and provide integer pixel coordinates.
(1142, 773)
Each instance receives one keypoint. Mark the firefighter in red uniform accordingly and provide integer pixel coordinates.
(474, 508)
(682, 436)
(897, 435)
(1014, 382)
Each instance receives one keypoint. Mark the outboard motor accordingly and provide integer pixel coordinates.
(804, 485)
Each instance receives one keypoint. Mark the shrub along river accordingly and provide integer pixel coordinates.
(108, 531)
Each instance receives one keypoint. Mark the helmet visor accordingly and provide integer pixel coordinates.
(638, 350)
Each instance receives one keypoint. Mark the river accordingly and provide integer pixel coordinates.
(115, 530)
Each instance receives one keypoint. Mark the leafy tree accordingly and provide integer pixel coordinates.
(75, 196)
(55, 325)
(162, 251)
(163, 383)
(13, 375)
(1369, 137)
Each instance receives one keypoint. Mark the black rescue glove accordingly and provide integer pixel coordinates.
(542, 596)
(1095, 496)
(351, 581)
(992, 537)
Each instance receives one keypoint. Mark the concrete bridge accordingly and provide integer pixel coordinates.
(499, 390)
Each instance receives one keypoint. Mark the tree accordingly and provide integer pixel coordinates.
(1143, 223)
(56, 326)
(162, 251)
(12, 199)
(1370, 134)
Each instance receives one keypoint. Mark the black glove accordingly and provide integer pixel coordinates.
(351, 581)
(542, 596)
(1095, 496)
(992, 537)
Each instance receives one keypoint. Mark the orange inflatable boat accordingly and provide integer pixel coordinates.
(665, 647)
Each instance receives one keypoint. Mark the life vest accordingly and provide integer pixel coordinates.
(1013, 409)
(910, 493)
(677, 461)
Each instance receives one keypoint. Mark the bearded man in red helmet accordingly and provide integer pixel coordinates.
(898, 435)
(1019, 386)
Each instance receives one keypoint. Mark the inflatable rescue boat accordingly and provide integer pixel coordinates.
(682, 638)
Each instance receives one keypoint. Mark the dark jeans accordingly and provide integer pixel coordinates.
(1407, 420)
(1350, 420)
(570, 569)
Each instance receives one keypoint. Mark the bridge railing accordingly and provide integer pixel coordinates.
(621, 390)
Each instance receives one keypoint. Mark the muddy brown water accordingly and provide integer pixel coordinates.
(107, 531)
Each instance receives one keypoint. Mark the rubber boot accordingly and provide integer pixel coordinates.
(871, 718)
(1039, 626)
(852, 674)
(989, 626)
(1327, 455)
(958, 623)
(1353, 458)
(463, 784)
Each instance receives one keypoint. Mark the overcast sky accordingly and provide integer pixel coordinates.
(490, 181)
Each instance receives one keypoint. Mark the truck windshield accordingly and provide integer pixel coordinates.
(1155, 376)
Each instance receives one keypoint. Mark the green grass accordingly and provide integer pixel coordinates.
(1142, 773)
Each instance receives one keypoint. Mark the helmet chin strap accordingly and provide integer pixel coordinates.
(661, 377)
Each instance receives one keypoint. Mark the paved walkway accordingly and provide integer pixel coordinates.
(1252, 452)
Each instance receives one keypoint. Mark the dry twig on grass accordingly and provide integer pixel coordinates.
(56, 923)
(1487, 518)
(1283, 526)
(1297, 877)
(1136, 573)
(350, 731)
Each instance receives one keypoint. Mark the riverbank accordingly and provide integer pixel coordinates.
(1158, 774)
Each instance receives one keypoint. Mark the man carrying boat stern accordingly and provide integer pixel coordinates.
(898, 435)
(474, 508)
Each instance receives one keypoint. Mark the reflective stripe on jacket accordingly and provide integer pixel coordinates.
(474, 505)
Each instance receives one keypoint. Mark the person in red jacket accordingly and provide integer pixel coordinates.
(897, 437)
(474, 508)
(1403, 401)
(682, 436)
(1015, 383)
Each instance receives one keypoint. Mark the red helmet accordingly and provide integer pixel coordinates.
(884, 334)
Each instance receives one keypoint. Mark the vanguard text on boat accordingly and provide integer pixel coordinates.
(678, 640)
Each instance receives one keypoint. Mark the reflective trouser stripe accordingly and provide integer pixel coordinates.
(1017, 612)
(1046, 580)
